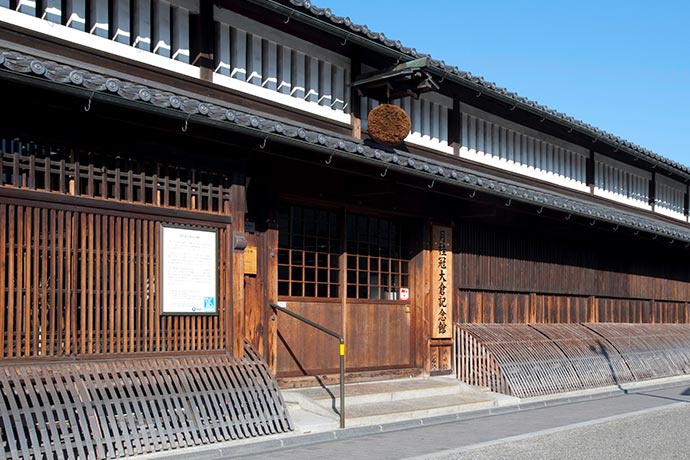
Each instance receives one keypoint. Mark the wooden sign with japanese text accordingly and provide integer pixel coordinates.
(442, 282)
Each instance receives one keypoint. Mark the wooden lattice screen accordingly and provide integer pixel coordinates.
(79, 261)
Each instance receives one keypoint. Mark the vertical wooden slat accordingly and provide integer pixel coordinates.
(99, 330)
(112, 286)
(59, 272)
(5, 252)
(117, 286)
(68, 274)
(131, 263)
(180, 34)
(33, 342)
(82, 252)
(14, 334)
(124, 283)
(90, 285)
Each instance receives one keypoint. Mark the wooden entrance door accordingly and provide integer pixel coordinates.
(345, 272)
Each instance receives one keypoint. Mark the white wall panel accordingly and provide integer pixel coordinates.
(500, 143)
(316, 78)
(670, 197)
(621, 182)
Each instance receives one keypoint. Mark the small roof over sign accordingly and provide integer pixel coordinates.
(404, 79)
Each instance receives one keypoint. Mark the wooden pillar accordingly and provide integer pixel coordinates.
(237, 211)
(270, 275)
(202, 44)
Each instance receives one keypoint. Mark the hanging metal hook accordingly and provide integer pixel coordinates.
(289, 16)
(570, 130)
(263, 144)
(593, 222)
(637, 232)
(479, 93)
(671, 242)
(513, 107)
(568, 216)
(347, 37)
(655, 237)
(687, 245)
(540, 210)
(510, 200)
(432, 184)
(542, 119)
(186, 123)
(88, 103)
(330, 159)
(445, 74)
(474, 192)
(383, 174)
(615, 229)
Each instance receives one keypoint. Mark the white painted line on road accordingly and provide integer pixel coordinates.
(522, 437)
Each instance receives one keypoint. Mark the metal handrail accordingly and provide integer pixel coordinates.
(342, 352)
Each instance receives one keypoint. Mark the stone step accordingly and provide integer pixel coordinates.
(414, 408)
(373, 392)
(382, 402)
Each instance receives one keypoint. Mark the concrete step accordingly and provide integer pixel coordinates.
(374, 392)
(414, 408)
(381, 402)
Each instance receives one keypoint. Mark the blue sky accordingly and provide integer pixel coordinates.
(622, 66)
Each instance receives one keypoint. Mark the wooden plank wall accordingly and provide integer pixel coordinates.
(512, 276)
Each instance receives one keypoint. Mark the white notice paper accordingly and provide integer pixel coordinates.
(189, 270)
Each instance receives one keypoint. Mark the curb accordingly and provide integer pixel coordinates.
(232, 449)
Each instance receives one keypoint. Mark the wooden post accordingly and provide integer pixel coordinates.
(652, 191)
(202, 30)
(237, 211)
(270, 275)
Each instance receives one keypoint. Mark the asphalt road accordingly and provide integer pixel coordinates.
(658, 433)
(651, 424)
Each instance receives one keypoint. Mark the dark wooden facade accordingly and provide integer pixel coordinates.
(82, 197)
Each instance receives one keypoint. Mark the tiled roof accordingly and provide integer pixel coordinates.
(466, 78)
(199, 111)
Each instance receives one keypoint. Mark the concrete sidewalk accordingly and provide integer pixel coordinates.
(427, 436)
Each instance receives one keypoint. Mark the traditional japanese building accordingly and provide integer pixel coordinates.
(171, 168)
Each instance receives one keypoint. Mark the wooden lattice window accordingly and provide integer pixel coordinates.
(377, 266)
(308, 252)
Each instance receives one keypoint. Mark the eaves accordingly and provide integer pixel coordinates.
(198, 109)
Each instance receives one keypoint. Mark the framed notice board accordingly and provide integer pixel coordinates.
(188, 270)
